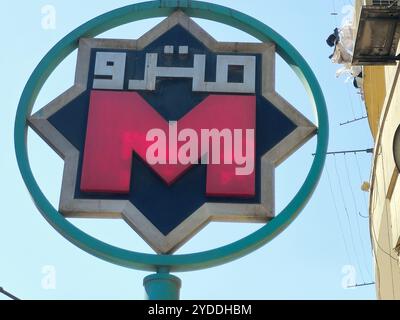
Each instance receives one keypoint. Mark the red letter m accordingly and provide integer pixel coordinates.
(118, 123)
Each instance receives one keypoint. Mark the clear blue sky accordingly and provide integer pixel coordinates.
(305, 262)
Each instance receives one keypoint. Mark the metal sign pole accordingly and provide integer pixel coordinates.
(162, 286)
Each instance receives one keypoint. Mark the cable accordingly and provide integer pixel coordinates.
(338, 216)
(365, 217)
(356, 210)
(362, 285)
(352, 121)
(362, 107)
(361, 181)
(348, 219)
(6, 293)
(387, 224)
(395, 217)
(369, 150)
(351, 101)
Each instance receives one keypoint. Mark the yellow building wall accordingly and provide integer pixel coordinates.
(374, 94)
(382, 98)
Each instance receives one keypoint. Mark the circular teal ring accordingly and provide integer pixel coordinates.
(185, 262)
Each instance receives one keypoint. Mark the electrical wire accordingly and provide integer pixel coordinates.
(8, 294)
(395, 216)
(387, 225)
(365, 217)
(356, 211)
(338, 216)
(348, 220)
(362, 107)
(361, 181)
(351, 102)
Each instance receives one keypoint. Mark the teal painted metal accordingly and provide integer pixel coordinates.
(162, 286)
(184, 262)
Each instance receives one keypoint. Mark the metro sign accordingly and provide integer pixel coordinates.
(171, 131)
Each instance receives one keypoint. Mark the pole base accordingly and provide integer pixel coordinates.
(162, 286)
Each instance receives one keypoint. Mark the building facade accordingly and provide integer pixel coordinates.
(376, 48)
